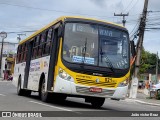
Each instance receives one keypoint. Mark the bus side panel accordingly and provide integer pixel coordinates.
(15, 75)
(37, 67)
(19, 70)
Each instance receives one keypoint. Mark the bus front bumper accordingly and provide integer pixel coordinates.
(68, 87)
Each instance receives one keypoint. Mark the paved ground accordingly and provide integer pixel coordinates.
(9, 101)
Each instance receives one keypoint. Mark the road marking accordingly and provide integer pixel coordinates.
(2, 95)
(50, 106)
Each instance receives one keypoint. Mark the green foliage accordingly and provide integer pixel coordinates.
(148, 61)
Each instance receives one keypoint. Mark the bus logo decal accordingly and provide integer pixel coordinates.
(97, 80)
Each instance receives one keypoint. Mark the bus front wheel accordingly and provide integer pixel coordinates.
(44, 95)
(97, 102)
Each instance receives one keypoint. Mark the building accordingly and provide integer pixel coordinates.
(9, 48)
(9, 52)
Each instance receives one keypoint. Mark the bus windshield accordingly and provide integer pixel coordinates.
(96, 45)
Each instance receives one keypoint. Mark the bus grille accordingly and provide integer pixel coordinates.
(93, 83)
(85, 91)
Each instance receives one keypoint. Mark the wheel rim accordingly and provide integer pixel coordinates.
(18, 89)
(43, 89)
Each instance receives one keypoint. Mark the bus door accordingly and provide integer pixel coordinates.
(53, 55)
(28, 59)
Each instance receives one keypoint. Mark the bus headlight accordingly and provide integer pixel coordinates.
(122, 84)
(63, 74)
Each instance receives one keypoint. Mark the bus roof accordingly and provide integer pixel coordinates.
(62, 19)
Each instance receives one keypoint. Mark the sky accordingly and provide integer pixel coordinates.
(26, 16)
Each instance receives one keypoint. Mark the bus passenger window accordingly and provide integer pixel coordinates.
(49, 35)
(46, 50)
(21, 57)
(40, 50)
(24, 57)
(25, 52)
(34, 53)
(37, 41)
(18, 54)
(43, 38)
(17, 58)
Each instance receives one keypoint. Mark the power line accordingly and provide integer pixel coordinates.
(153, 24)
(44, 9)
(19, 26)
(154, 11)
(133, 6)
(21, 32)
(136, 26)
(153, 28)
(128, 6)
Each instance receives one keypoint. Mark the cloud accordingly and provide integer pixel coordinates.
(14, 18)
(100, 3)
(154, 5)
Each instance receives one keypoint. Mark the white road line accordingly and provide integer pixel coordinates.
(50, 106)
(2, 95)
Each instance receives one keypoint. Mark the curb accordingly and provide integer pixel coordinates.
(142, 102)
(147, 103)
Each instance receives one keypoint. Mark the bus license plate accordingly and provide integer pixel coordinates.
(93, 89)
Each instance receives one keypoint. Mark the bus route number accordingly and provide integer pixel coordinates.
(109, 80)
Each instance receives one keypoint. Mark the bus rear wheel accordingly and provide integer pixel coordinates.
(20, 91)
(97, 102)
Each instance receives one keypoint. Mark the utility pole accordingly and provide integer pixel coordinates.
(19, 37)
(3, 36)
(157, 69)
(123, 21)
(134, 84)
(140, 40)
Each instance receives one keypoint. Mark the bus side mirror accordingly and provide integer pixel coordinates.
(60, 31)
(133, 50)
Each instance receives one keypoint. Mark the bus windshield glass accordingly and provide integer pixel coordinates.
(96, 45)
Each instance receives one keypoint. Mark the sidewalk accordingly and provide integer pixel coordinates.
(1, 79)
(144, 99)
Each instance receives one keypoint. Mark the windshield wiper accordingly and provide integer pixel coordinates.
(107, 60)
(84, 52)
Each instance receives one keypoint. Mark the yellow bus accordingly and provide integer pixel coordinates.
(73, 56)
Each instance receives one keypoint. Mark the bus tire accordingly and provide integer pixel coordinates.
(97, 102)
(20, 91)
(44, 95)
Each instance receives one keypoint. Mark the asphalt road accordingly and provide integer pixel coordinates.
(10, 101)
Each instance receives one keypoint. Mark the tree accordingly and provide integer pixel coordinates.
(148, 61)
